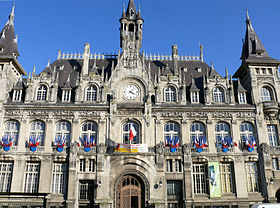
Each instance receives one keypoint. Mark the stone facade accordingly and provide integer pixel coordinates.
(63, 129)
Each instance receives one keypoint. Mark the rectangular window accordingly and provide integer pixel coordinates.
(226, 173)
(263, 70)
(32, 177)
(66, 95)
(275, 164)
(169, 166)
(269, 71)
(174, 191)
(242, 97)
(251, 171)
(17, 95)
(91, 167)
(195, 97)
(82, 165)
(273, 135)
(6, 169)
(258, 70)
(59, 178)
(86, 190)
(199, 178)
(178, 166)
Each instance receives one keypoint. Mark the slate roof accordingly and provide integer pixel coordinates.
(8, 40)
(253, 49)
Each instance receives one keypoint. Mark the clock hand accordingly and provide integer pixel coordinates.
(132, 92)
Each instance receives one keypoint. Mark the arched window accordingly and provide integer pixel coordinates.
(218, 95)
(91, 93)
(131, 27)
(89, 130)
(171, 131)
(170, 94)
(63, 129)
(222, 130)
(12, 131)
(42, 93)
(266, 94)
(127, 127)
(246, 132)
(197, 131)
(37, 131)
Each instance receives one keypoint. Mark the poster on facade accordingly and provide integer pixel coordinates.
(214, 179)
(131, 148)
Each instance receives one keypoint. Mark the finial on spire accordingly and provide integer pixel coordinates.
(3, 34)
(212, 65)
(12, 16)
(16, 39)
(49, 63)
(248, 20)
(201, 52)
(34, 69)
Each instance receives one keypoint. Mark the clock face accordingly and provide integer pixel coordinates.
(130, 92)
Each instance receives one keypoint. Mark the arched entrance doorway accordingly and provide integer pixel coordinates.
(130, 192)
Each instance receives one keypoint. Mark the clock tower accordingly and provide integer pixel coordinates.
(131, 35)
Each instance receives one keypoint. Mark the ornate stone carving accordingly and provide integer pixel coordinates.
(160, 148)
(187, 149)
(265, 148)
(101, 149)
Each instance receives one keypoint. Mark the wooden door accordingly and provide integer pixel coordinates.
(129, 193)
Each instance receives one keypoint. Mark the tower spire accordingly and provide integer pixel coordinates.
(131, 11)
(12, 16)
(252, 46)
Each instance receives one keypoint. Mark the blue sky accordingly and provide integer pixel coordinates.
(45, 26)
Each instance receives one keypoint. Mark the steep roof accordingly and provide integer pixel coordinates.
(8, 40)
(131, 12)
(253, 49)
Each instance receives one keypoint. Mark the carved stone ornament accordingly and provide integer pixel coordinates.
(187, 149)
(265, 148)
(160, 148)
(74, 147)
(101, 149)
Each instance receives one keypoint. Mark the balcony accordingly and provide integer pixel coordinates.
(270, 108)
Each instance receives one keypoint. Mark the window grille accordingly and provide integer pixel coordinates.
(252, 176)
(42, 93)
(170, 95)
(6, 170)
(218, 95)
(12, 131)
(59, 178)
(91, 94)
(38, 131)
(199, 178)
(32, 177)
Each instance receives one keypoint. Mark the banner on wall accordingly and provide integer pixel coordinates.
(131, 148)
(214, 179)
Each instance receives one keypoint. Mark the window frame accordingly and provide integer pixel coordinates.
(219, 95)
(252, 177)
(61, 131)
(247, 133)
(197, 133)
(59, 178)
(66, 96)
(6, 174)
(171, 132)
(126, 130)
(273, 135)
(170, 95)
(17, 95)
(242, 98)
(32, 170)
(42, 93)
(12, 132)
(37, 131)
(267, 94)
(91, 93)
(227, 178)
(222, 130)
(200, 176)
(92, 130)
(194, 97)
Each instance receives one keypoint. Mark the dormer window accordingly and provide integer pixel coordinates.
(218, 95)
(170, 95)
(17, 94)
(66, 95)
(242, 98)
(195, 97)
(91, 94)
(41, 93)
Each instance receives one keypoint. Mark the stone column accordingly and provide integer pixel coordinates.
(18, 176)
(23, 134)
(49, 135)
(45, 176)
(240, 179)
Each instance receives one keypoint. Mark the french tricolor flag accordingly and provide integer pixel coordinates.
(132, 132)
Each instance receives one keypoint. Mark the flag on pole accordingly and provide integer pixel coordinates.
(132, 132)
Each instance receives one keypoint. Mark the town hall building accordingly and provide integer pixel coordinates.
(136, 130)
